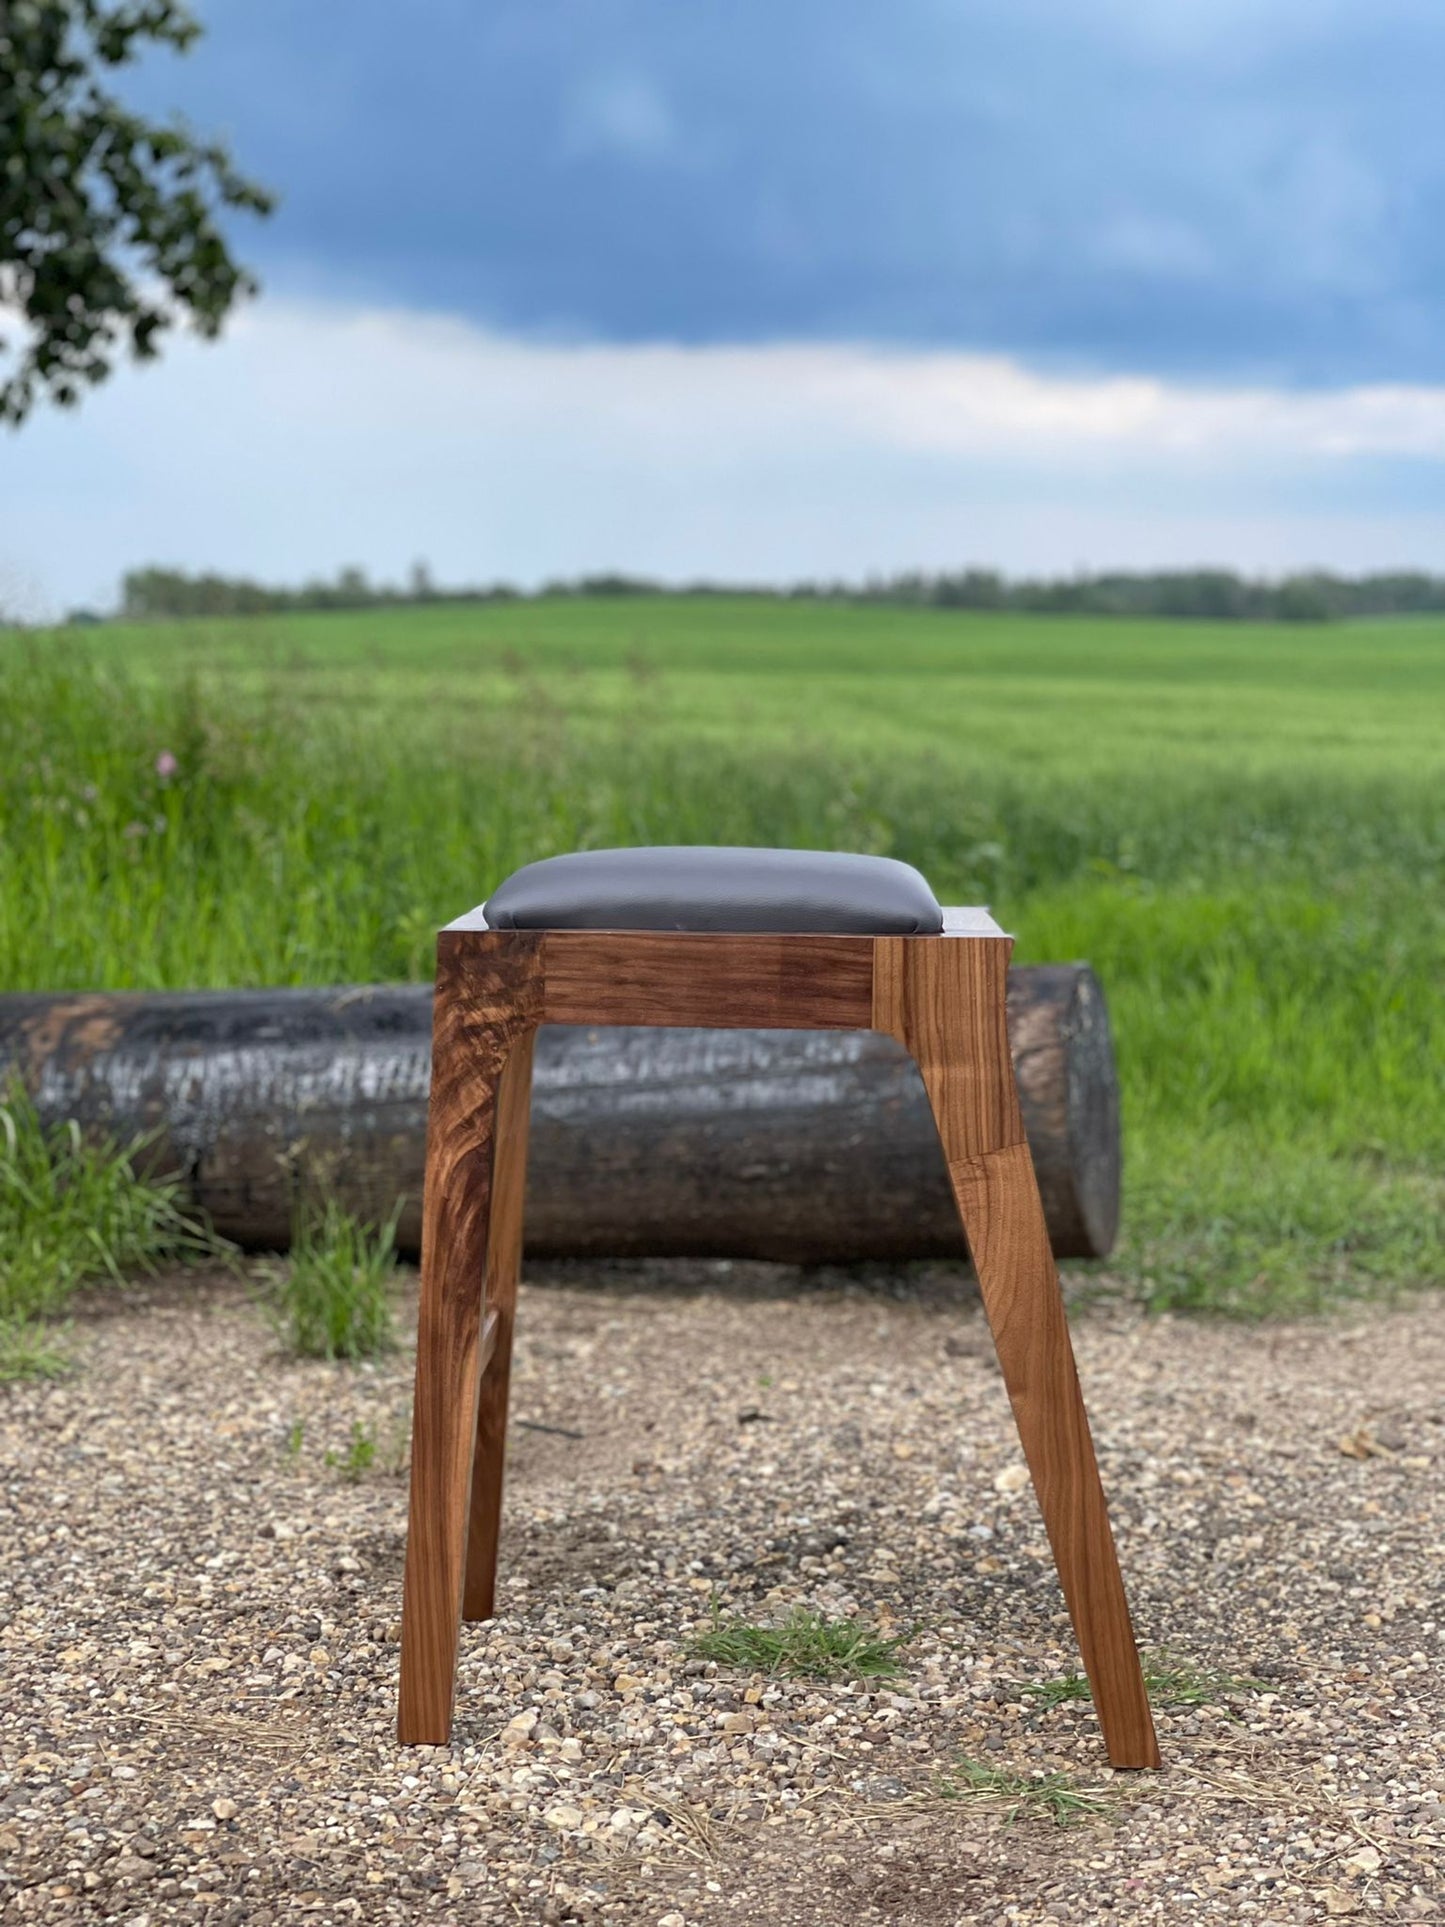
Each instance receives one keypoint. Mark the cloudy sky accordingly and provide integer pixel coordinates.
(775, 290)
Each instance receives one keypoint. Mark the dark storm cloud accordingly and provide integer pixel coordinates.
(1201, 187)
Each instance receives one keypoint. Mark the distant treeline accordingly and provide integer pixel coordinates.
(1209, 594)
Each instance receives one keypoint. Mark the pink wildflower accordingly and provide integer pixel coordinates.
(166, 765)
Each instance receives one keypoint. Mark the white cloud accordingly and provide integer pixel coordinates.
(315, 436)
(972, 404)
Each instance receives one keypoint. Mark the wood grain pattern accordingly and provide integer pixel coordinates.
(504, 1255)
(943, 998)
(484, 1004)
(487, 1348)
(948, 1010)
(725, 982)
(998, 1201)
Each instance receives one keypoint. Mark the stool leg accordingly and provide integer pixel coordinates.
(468, 1061)
(504, 1253)
(998, 1200)
(944, 1001)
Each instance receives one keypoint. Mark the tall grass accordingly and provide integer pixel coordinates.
(1269, 927)
(332, 1298)
(73, 1213)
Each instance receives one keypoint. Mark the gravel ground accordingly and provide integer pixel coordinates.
(200, 1639)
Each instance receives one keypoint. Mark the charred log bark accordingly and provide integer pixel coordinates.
(798, 1145)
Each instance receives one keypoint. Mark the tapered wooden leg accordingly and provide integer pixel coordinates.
(504, 1254)
(999, 1203)
(948, 1009)
(481, 1017)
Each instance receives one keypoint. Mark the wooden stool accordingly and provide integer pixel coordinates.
(784, 939)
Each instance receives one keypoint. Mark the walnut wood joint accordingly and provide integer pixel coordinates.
(943, 998)
(945, 1002)
(491, 1325)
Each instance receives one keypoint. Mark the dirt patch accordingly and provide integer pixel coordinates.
(200, 1626)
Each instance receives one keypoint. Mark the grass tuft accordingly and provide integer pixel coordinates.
(72, 1213)
(28, 1350)
(360, 1455)
(333, 1298)
(805, 1646)
(1053, 1795)
(1168, 1681)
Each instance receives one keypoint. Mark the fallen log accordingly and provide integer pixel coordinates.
(804, 1146)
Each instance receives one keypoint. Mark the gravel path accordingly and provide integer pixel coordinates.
(200, 1637)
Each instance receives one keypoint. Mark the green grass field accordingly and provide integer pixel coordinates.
(1242, 828)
